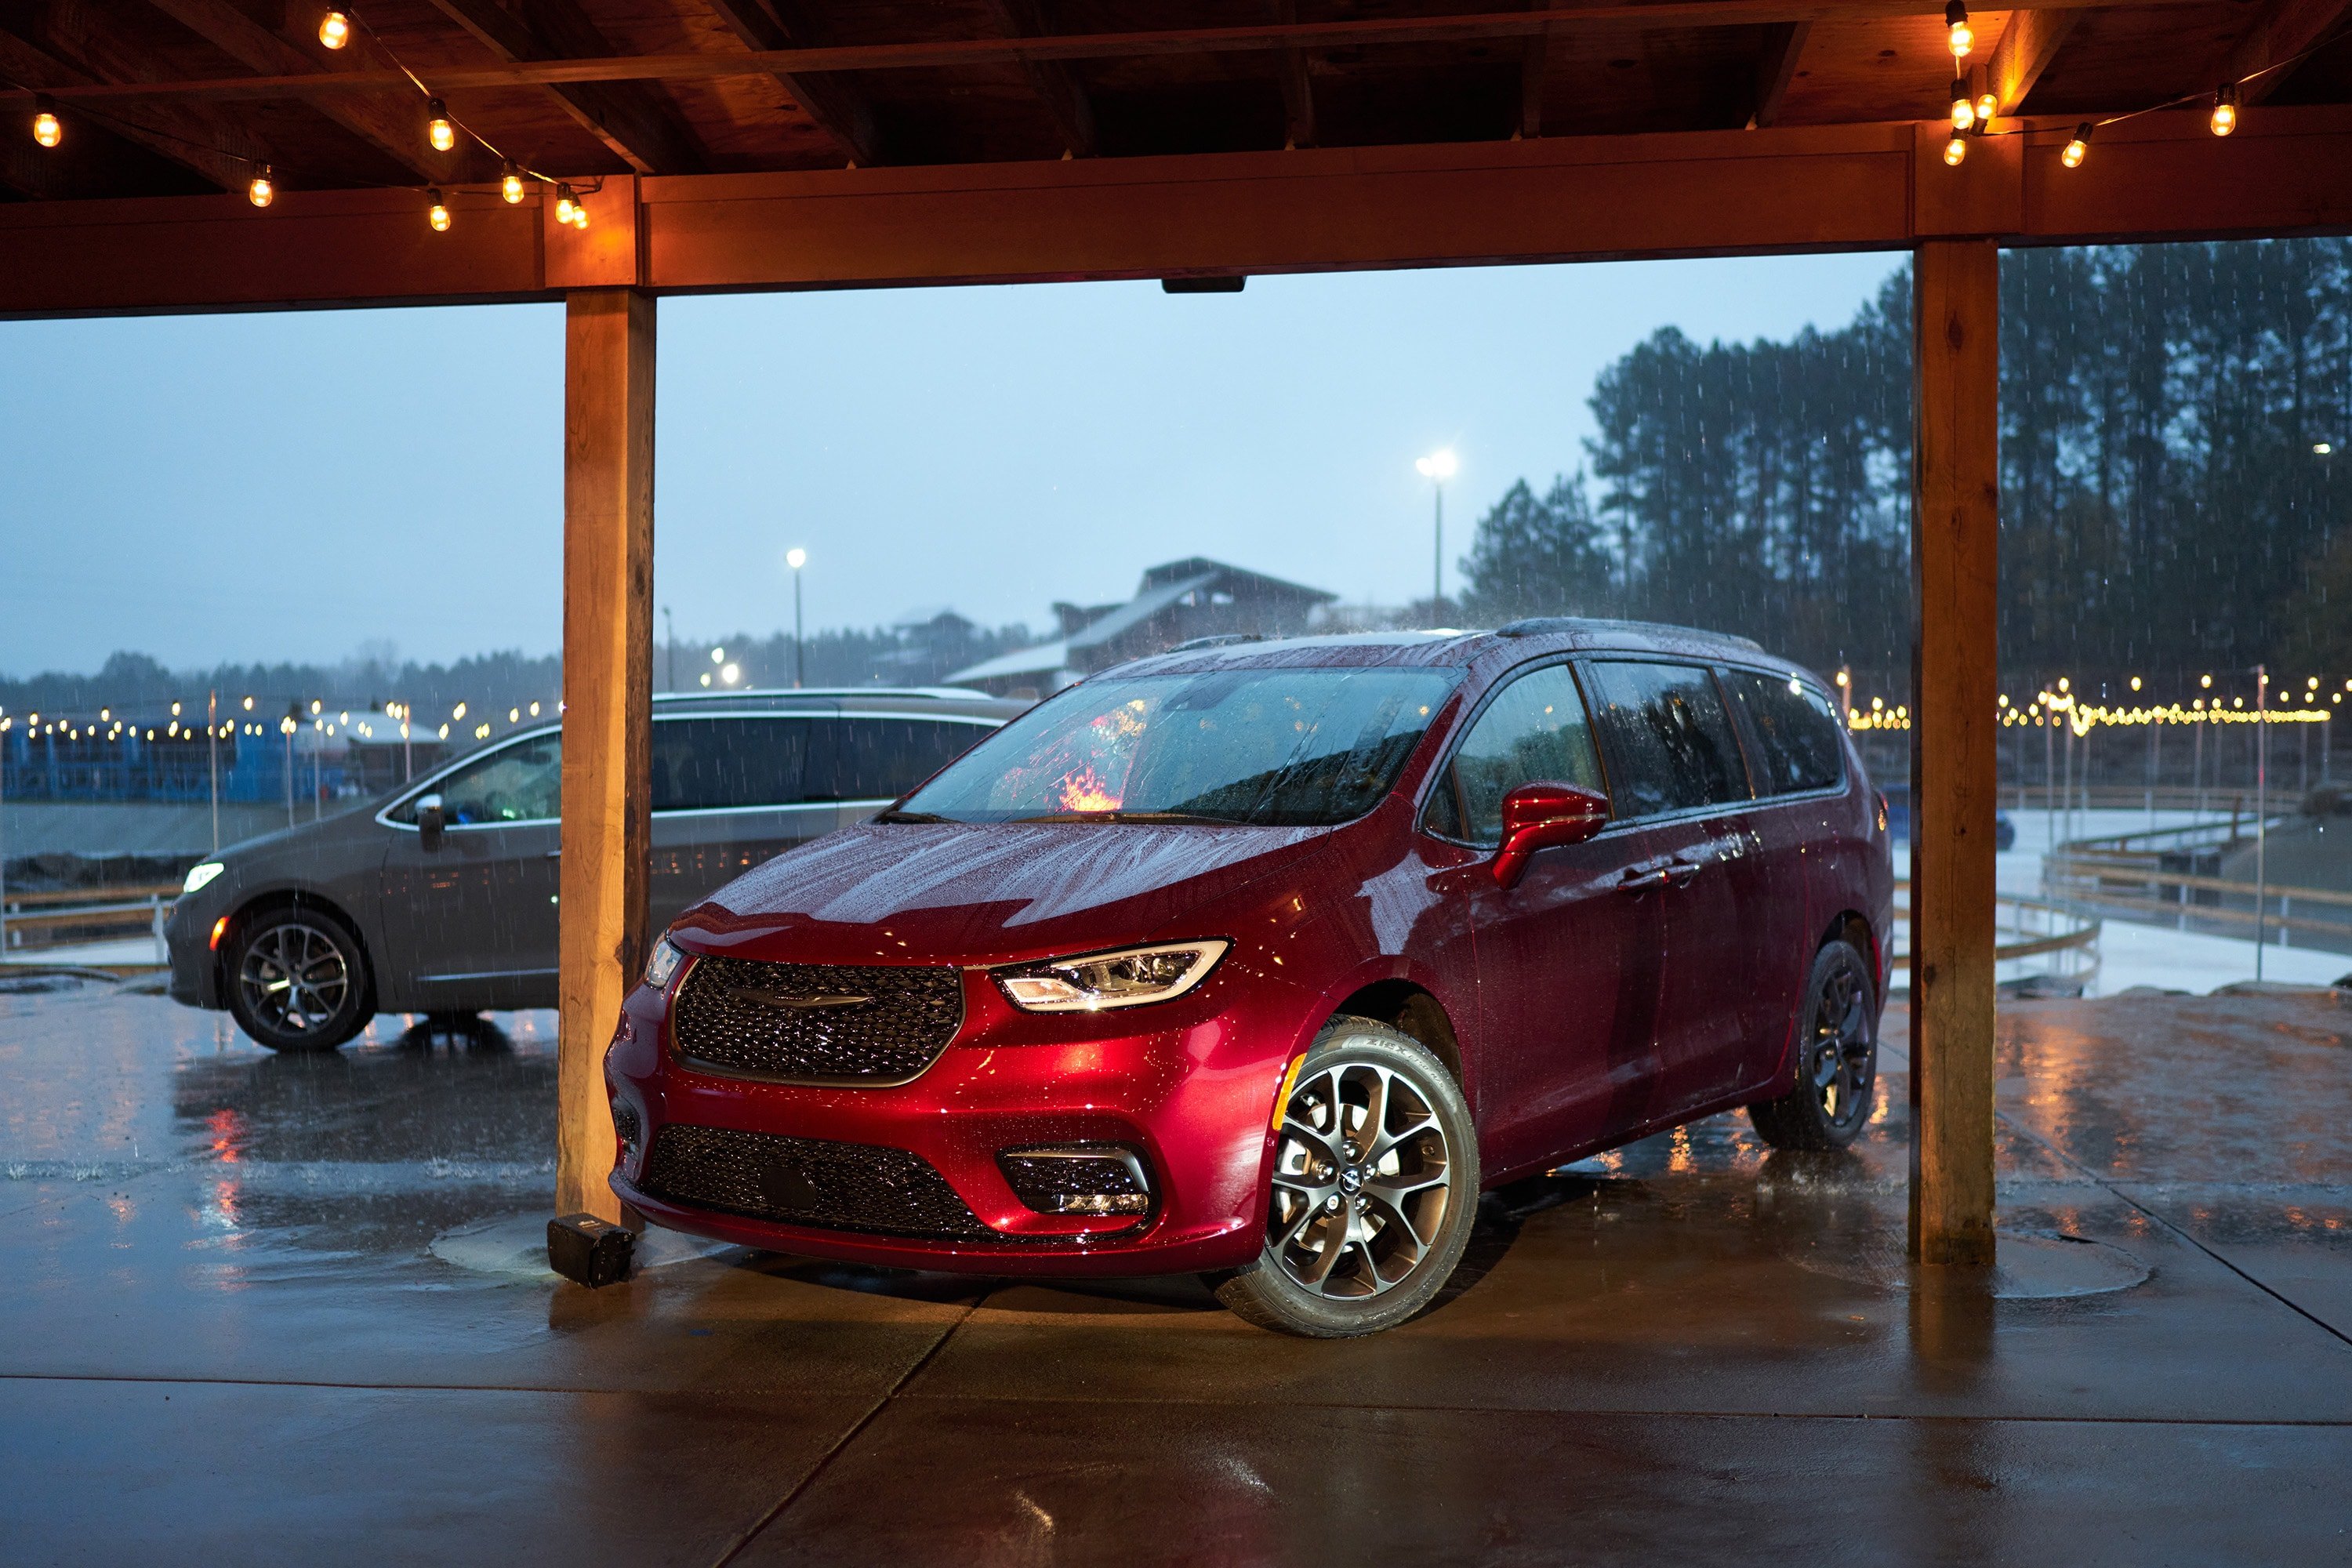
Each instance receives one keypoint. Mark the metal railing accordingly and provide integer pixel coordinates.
(2023, 927)
(2168, 877)
(34, 923)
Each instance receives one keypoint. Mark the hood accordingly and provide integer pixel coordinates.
(985, 893)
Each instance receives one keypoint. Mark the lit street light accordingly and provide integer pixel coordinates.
(1438, 468)
(797, 558)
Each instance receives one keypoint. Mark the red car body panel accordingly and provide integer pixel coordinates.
(1556, 992)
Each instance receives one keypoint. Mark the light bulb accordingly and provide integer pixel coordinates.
(334, 30)
(2078, 149)
(1986, 107)
(580, 216)
(2225, 109)
(260, 191)
(47, 129)
(1956, 150)
(510, 187)
(438, 213)
(1956, 19)
(1964, 110)
(565, 205)
(438, 130)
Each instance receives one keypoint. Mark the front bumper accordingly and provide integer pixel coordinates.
(1189, 1085)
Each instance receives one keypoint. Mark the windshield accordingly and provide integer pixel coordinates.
(1293, 748)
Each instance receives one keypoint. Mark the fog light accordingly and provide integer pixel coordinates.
(1078, 1178)
(627, 1128)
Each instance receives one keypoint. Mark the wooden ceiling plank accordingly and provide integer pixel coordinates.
(395, 128)
(1776, 68)
(188, 134)
(635, 120)
(2027, 44)
(1056, 87)
(1297, 91)
(2285, 29)
(1535, 66)
(835, 104)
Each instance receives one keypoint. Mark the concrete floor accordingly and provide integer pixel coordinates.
(227, 1332)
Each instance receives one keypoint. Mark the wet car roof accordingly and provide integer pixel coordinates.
(1447, 648)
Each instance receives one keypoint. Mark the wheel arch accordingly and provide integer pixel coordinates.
(297, 900)
(1409, 1008)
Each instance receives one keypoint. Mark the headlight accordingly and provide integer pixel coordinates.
(662, 966)
(201, 874)
(1126, 979)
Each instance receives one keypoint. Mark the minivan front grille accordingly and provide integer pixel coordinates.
(808, 1181)
(816, 1023)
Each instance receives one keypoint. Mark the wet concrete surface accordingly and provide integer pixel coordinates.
(225, 1333)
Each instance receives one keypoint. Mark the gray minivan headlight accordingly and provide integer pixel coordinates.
(661, 967)
(201, 873)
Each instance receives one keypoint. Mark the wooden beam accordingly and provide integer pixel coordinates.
(1297, 91)
(1776, 68)
(951, 54)
(835, 104)
(1955, 529)
(1073, 112)
(2027, 44)
(2284, 30)
(1535, 67)
(1717, 193)
(608, 625)
(389, 114)
(634, 119)
(190, 134)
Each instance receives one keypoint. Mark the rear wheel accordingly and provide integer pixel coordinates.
(1837, 1058)
(1375, 1188)
(298, 980)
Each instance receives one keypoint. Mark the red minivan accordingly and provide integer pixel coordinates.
(1262, 960)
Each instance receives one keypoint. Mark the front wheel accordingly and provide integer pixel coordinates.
(1837, 1058)
(298, 980)
(1375, 1188)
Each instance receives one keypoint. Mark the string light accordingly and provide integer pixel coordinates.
(1964, 111)
(1956, 150)
(1986, 107)
(260, 191)
(1961, 38)
(510, 187)
(47, 131)
(565, 208)
(437, 214)
(2079, 148)
(2225, 109)
(334, 30)
(438, 129)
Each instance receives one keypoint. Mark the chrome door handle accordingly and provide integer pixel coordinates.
(1641, 878)
(1680, 872)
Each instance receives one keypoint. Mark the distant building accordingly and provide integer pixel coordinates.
(931, 642)
(1174, 604)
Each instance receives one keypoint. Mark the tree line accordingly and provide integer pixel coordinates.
(2174, 421)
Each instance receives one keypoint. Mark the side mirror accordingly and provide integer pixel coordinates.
(1541, 815)
(430, 820)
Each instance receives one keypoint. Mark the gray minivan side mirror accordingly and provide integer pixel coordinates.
(430, 821)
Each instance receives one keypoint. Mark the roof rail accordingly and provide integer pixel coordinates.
(1546, 626)
(1222, 640)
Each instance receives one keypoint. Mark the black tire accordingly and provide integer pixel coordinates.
(1354, 1246)
(296, 979)
(1837, 1058)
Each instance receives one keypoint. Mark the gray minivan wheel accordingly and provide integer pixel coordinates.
(296, 979)
(1374, 1190)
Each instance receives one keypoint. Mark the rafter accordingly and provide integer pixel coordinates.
(1535, 66)
(188, 134)
(1297, 93)
(2284, 30)
(1776, 68)
(1051, 81)
(835, 105)
(393, 126)
(634, 119)
(2027, 44)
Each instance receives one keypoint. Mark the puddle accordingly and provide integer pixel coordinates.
(516, 1248)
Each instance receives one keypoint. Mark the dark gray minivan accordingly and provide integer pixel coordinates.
(440, 897)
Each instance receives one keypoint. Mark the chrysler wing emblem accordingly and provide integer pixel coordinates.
(811, 1002)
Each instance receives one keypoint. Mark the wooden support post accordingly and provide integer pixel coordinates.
(1954, 736)
(608, 575)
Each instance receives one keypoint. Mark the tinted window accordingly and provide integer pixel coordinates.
(706, 764)
(1292, 747)
(1796, 732)
(521, 782)
(881, 759)
(1670, 740)
(1534, 732)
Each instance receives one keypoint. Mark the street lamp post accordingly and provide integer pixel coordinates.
(797, 558)
(1437, 468)
(2261, 805)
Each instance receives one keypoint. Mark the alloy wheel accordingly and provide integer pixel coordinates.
(1362, 1178)
(294, 978)
(1841, 1059)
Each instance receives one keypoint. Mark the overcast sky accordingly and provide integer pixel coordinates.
(260, 487)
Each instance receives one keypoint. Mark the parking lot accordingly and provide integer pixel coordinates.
(243, 1287)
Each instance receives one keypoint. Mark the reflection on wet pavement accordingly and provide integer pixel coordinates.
(227, 1330)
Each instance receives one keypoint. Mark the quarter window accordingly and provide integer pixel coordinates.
(881, 759)
(1535, 731)
(1796, 732)
(1671, 746)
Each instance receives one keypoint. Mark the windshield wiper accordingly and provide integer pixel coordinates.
(1181, 818)
(909, 816)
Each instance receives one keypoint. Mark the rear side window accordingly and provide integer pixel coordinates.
(716, 764)
(1534, 732)
(1796, 732)
(853, 758)
(1671, 746)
